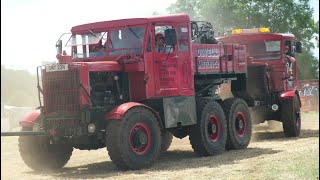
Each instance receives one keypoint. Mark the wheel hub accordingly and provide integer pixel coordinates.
(139, 139)
(240, 124)
(214, 128)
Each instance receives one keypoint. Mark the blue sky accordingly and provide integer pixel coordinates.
(30, 28)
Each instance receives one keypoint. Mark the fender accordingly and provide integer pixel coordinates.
(118, 112)
(30, 119)
(288, 95)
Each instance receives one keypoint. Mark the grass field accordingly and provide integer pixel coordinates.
(269, 156)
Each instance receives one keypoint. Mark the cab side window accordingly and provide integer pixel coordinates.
(183, 38)
(160, 46)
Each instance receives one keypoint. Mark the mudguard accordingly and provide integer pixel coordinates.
(30, 119)
(288, 95)
(118, 112)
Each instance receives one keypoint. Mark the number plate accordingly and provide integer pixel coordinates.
(56, 67)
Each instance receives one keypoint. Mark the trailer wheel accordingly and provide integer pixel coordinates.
(134, 142)
(239, 123)
(38, 154)
(208, 136)
(166, 140)
(291, 117)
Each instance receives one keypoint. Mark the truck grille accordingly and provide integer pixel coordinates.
(61, 90)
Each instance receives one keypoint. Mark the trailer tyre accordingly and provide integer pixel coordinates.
(38, 154)
(239, 123)
(208, 136)
(166, 140)
(134, 142)
(291, 117)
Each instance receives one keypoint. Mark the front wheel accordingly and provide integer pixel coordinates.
(291, 117)
(134, 142)
(40, 155)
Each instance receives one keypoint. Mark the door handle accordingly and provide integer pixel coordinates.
(175, 57)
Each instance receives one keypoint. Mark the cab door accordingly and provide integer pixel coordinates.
(185, 63)
(166, 66)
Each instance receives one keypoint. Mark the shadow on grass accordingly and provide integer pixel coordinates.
(279, 136)
(168, 161)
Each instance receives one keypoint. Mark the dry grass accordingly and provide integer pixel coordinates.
(269, 156)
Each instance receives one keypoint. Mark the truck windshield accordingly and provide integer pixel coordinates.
(129, 39)
(265, 50)
(121, 41)
(86, 39)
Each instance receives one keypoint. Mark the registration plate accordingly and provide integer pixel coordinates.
(56, 67)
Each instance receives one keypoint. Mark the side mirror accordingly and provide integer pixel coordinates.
(59, 46)
(298, 47)
(170, 37)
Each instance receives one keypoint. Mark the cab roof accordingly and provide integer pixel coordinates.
(172, 18)
(255, 37)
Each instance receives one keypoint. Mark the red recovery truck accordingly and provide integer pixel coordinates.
(271, 85)
(113, 87)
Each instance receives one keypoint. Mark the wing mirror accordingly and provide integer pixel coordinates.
(170, 37)
(298, 47)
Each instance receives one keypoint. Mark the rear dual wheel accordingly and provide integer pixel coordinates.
(208, 136)
(239, 123)
(166, 140)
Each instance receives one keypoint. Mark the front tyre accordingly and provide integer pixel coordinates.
(291, 117)
(134, 142)
(38, 154)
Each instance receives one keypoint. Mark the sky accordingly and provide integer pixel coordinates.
(30, 28)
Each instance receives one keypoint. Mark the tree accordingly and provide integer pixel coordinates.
(191, 7)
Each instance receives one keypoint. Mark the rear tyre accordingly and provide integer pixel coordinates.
(166, 140)
(291, 117)
(38, 154)
(208, 136)
(134, 142)
(239, 123)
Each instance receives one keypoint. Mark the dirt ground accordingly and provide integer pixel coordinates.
(269, 156)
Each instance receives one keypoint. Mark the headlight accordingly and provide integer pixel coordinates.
(91, 128)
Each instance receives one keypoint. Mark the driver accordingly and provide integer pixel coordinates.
(99, 50)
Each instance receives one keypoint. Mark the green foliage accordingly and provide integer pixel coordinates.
(18, 88)
(281, 16)
(191, 7)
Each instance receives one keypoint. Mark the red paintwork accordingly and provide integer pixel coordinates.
(174, 18)
(141, 149)
(240, 116)
(236, 60)
(287, 95)
(214, 136)
(29, 119)
(277, 67)
(118, 112)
